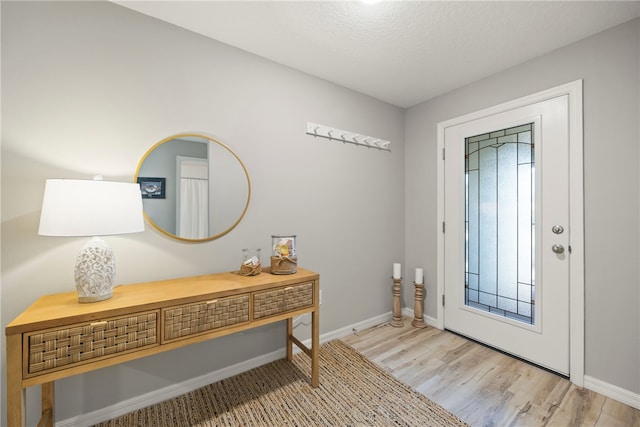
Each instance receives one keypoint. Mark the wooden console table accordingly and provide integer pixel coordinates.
(58, 337)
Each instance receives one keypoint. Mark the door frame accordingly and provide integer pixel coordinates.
(576, 213)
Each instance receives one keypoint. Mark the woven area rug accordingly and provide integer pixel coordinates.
(353, 391)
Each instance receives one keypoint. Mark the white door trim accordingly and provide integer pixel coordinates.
(576, 213)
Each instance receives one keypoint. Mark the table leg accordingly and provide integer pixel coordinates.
(289, 341)
(315, 347)
(48, 405)
(15, 392)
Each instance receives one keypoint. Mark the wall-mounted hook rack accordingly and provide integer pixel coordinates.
(328, 132)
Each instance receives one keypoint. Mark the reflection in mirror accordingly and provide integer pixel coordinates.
(206, 192)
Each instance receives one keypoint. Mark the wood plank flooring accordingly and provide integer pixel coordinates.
(485, 387)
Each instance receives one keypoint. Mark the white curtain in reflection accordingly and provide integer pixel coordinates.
(193, 208)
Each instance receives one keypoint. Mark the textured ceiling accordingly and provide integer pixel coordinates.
(401, 52)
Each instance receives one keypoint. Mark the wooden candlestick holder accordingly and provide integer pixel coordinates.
(396, 321)
(418, 310)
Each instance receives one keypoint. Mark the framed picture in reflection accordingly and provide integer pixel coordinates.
(152, 188)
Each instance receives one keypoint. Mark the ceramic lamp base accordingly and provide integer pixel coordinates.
(95, 271)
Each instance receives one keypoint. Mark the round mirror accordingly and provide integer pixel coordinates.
(194, 188)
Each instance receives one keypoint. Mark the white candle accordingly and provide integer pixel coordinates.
(396, 271)
(419, 277)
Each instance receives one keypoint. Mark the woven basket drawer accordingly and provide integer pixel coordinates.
(55, 349)
(281, 300)
(204, 316)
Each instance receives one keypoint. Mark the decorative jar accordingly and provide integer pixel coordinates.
(283, 256)
(251, 265)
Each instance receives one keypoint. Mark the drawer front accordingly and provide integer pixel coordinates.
(204, 316)
(59, 348)
(270, 303)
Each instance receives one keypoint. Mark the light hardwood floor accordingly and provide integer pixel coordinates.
(482, 386)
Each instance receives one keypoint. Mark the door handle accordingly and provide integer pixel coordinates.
(559, 249)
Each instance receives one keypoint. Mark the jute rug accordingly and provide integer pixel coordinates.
(353, 391)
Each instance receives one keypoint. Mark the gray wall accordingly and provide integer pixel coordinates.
(609, 64)
(89, 87)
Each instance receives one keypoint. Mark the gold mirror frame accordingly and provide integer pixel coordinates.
(223, 146)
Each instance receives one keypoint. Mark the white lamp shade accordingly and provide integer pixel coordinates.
(90, 208)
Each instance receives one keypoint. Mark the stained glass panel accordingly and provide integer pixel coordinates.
(499, 222)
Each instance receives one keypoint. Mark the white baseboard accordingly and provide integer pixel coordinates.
(614, 392)
(151, 398)
(174, 390)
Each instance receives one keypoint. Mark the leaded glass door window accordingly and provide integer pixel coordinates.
(500, 222)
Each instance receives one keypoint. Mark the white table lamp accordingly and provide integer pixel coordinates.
(92, 208)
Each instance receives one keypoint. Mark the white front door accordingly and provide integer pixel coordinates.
(506, 244)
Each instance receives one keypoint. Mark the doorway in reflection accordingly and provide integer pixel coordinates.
(192, 186)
